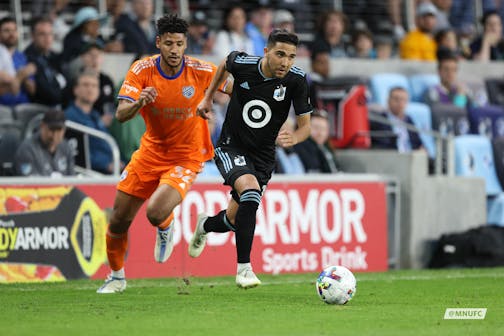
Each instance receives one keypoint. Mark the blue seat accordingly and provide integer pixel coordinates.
(381, 83)
(421, 115)
(419, 83)
(474, 158)
(487, 120)
(449, 119)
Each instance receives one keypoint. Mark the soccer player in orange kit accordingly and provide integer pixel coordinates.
(165, 89)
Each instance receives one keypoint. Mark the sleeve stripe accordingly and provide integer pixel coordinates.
(127, 98)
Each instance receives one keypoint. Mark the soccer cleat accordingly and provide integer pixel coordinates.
(164, 244)
(112, 285)
(198, 240)
(247, 279)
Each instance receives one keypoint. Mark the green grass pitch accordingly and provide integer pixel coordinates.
(391, 303)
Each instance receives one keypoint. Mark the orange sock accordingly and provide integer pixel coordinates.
(167, 222)
(117, 243)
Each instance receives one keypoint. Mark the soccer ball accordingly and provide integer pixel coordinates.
(336, 285)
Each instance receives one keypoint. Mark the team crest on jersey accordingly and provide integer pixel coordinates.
(279, 93)
(239, 160)
(188, 91)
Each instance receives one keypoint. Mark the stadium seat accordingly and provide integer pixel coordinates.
(419, 83)
(381, 83)
(25, 112)
(421, 115)
(449, 119)
(495, 90)
(474, 158)
(9, 142)
(487, 120)
(498, 152)
(6, 113)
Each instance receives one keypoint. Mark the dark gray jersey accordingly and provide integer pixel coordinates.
(32, 159)
(259, 106)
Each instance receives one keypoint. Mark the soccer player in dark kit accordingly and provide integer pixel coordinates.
(263, 90)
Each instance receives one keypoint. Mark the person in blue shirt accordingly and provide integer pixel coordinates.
(86, 91)
(24, 71)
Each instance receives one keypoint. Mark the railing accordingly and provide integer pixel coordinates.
(88, 131)
(444, 159)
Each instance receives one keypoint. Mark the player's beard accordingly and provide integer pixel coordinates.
(274, 70)
(169, 63)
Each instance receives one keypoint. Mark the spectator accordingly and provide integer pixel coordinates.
(46, 153)
(447, 39)
(450, 90)
(489, 46)
(9, 37)
(331, 26)
(91, 58)
(9, 84)
(49, 81)
(315, 152)
(137, 29)
(384, 46)
(419, 44)
(320, 65)
(86, 92)
(232, 36)
(53, 10)
(443, 9)
(200, 40)
(283, 19)
(362, 44)
(259, 27)
(404, 140)
(85, 29)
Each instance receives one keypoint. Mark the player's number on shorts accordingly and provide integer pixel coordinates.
(256, 113)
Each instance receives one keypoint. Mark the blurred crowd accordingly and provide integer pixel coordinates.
(61, 67)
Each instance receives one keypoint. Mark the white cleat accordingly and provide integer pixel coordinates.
(247, 279)
(198, 240)
(112, 285)
(164, 243)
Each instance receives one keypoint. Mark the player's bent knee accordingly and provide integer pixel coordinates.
(155, 216)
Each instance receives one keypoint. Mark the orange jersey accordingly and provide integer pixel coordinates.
(173, 130)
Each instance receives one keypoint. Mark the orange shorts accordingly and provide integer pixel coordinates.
(141, 177)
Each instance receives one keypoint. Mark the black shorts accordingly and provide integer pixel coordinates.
(233, 163)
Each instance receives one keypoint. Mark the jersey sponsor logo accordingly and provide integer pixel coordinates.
(239, 160)
(245, 85)
(256, 113)
(279, 93)
(188, 91)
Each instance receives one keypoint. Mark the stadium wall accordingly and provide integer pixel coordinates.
(430, 205)
(55, 230)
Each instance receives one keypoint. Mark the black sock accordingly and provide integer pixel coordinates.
(245, 223)
(218, 223)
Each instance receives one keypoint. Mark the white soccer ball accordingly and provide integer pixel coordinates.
(336, 285)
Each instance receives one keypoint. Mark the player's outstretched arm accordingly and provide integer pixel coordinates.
(205, 106)
(127, 110)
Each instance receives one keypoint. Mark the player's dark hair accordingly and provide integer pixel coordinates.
(282, 35)
(171, 23)
(38, 20)
(7, 19)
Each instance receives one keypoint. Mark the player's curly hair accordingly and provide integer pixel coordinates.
(282, 35)
(171, 23)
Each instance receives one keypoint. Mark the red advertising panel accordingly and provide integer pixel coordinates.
(301, 227)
